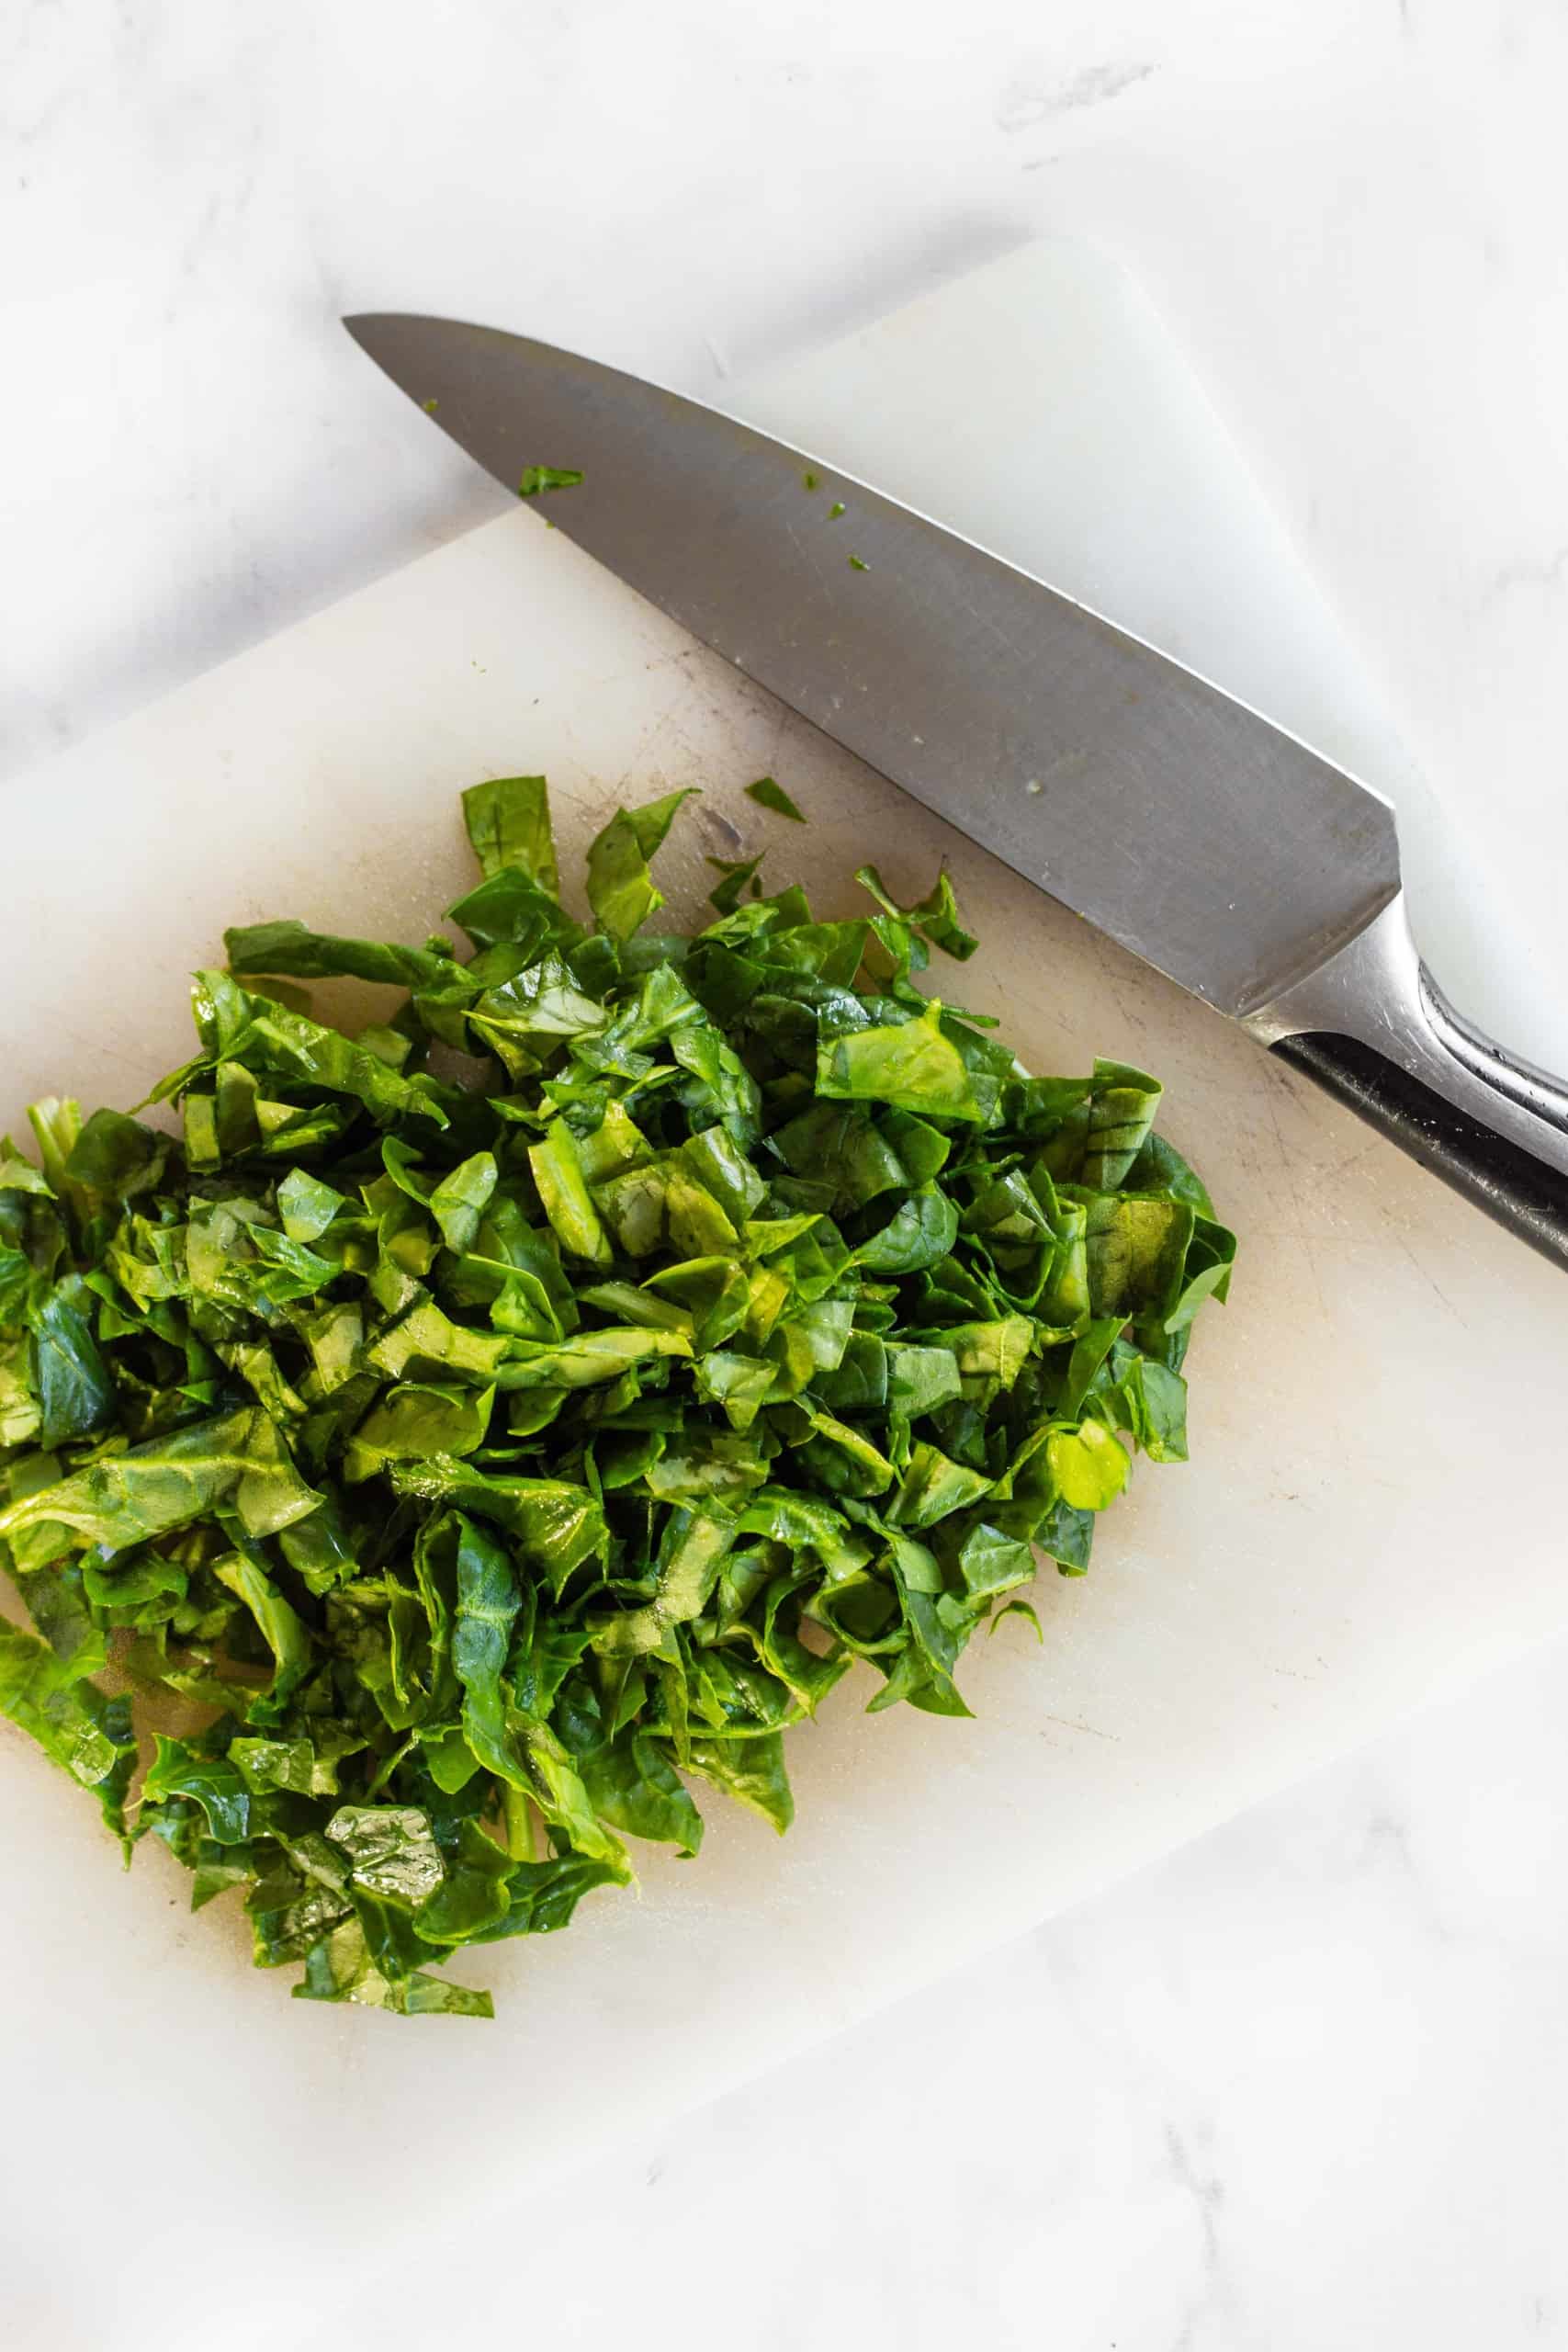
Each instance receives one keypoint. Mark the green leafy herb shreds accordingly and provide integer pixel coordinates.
(475, 1470)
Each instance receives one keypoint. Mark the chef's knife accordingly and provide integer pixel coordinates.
(1222, 851)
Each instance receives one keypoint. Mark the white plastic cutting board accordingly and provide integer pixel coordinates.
(1362, 1524)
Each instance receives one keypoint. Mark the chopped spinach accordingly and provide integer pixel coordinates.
(468, 1469)
(536, 479)
(767, 793)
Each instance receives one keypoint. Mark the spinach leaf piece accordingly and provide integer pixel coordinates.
(536, 479)
(620, 888)
(769, 795)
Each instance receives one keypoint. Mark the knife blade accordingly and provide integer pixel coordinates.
(1206, 841)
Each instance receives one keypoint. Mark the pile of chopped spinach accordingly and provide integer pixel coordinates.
(452, 1474)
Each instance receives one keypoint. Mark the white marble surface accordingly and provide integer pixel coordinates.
(1302, 2085)
(1301, 2088)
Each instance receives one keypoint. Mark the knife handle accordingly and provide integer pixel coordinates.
(1373, 1027)
(1519, 1191)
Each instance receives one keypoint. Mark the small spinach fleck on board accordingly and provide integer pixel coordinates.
(767, 793)
(470, 1470)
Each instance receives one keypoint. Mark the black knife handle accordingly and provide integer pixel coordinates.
(1519, 1190)
(1373, 1025)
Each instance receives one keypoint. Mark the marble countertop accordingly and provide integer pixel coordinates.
(1303, 2084)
